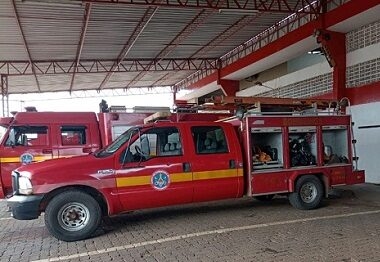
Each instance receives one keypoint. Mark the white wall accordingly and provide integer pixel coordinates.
(295, 77)
(305, 60)
(368, 139)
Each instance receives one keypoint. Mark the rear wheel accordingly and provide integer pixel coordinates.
(308, 193)
(72, 215)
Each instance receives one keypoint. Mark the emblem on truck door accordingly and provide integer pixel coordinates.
(160, 180)
(26, 158)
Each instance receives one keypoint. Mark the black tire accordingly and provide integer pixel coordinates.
(308, 193)
(72, 215)
(265, 198)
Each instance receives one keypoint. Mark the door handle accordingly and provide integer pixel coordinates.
(186, 167)
(47, 151)
(87, 150)
(232, 164)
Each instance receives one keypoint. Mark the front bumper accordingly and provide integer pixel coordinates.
(25, 207)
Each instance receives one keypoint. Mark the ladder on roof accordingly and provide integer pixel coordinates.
(265, 104)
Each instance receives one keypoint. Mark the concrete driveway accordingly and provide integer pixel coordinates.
(346, 229)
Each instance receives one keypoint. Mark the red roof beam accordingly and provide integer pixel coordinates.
(226, 34)
(253, 50)
(229, 87)
(364, 94)
(254, 44)
(334, 47)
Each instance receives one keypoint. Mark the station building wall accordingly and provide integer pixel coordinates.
(315, 79)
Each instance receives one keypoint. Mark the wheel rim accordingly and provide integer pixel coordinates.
(308, 192)
(73, 216)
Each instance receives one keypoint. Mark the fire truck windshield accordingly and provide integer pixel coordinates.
(118, 142)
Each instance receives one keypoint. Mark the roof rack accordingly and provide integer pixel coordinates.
(158, 116)
(275, 105)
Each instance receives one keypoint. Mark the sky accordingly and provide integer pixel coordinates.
(89, 101)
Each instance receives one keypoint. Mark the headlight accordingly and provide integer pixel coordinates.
(25, 186)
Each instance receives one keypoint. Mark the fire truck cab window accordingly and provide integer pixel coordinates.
(28, 136)
(209, 140)
(156, 142)
(73, 135)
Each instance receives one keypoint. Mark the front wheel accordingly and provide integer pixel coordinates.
(308, 193)
(72, 215)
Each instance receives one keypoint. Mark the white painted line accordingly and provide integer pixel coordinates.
(198, 234)
(6, 218)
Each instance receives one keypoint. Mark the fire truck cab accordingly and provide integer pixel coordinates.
(36, 136)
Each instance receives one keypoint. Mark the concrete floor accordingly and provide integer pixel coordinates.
(346, 229)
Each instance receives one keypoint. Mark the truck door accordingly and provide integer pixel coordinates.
(24, 145)
(214, 164)
(154, 171)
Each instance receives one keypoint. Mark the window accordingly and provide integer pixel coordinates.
(28, 136)
(155, 142)
(145, 146)
(73, 135)
(3, 130)
(209, 140)
(171, 145)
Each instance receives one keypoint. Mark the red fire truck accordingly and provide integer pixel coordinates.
(35, 136)
(172, 163)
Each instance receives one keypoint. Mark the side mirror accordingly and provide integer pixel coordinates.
(240, 112)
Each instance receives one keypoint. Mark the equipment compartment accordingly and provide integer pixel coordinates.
(302, 146)
(267, 148)
(335, 144)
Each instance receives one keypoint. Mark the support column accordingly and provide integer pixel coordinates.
(334, 47)
(174, 94)
(4, 94)
(229, 87)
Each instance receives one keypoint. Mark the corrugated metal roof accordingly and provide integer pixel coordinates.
(53, 31)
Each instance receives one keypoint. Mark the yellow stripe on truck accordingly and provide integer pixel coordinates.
(10, 159)
(179, 177)
(35, 158)
(146, 180)
(133, 181)
(215, 174)
(18, 160)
